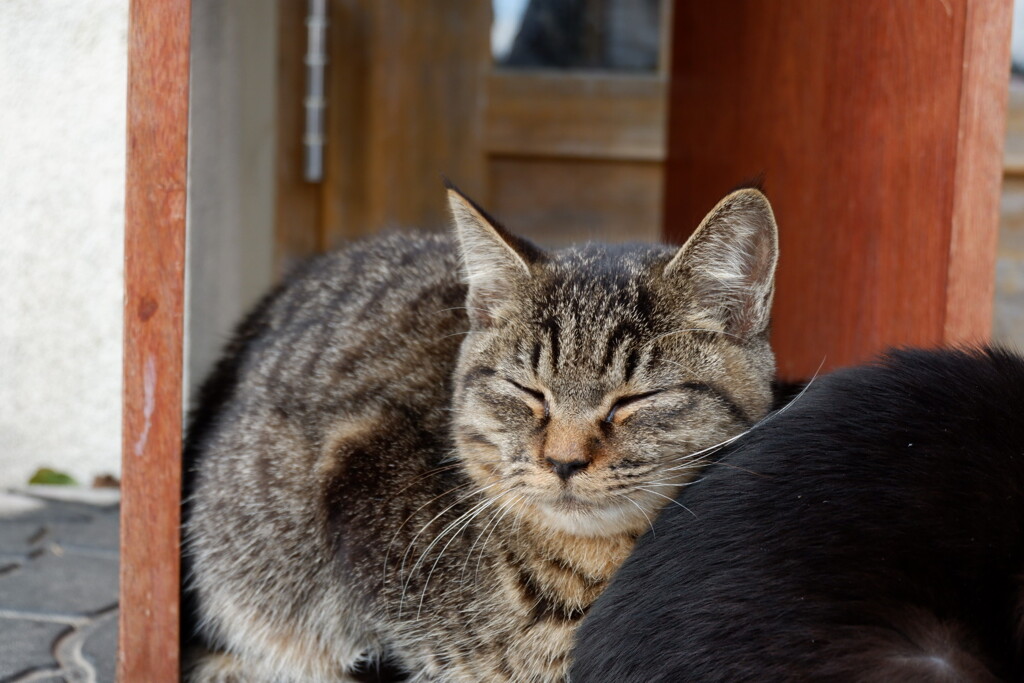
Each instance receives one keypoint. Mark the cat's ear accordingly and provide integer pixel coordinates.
(729, 262)
(495, 262)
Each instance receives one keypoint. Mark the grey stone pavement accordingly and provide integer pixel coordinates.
(58, 585)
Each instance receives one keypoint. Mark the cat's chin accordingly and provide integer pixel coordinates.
(578, 517)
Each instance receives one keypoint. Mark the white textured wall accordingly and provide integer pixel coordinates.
(62, 126)
(62, 130)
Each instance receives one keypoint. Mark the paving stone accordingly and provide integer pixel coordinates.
(27, 645)
(53, 512)
(11, 563)
(69, 583)
(100, 648)
(68, 511)
(19, 536)
(73, 525)
(102, 531)
(57, 558)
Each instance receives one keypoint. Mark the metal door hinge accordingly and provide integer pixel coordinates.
(315, 101)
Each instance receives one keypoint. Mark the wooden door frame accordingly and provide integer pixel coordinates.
(154, 274)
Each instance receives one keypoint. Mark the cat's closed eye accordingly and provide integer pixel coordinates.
(536, 398)
(625, 406)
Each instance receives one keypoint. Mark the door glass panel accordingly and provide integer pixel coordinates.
(616, 35)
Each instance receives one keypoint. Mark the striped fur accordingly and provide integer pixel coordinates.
(435, 451)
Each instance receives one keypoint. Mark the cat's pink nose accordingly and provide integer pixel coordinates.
(567, 468)
(568, 448)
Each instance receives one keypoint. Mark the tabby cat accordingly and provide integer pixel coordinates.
(433, 451)
(871, 531)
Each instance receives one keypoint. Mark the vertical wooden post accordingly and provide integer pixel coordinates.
(878, 127)
(970, 289)
(158, 70)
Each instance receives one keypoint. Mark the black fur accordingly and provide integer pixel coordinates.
(872, 531)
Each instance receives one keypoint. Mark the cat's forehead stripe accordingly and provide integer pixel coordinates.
(552, 326)
(631, 362)
(535, 357)
(624, 331)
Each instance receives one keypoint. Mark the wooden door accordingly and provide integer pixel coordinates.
(878, 127)
(560, 152)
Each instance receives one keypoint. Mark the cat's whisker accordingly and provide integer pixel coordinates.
(387, 551)
(412, 542)
(651, 476)
(799, 394)
(770, 416)
(426, 475)
(692, 465)
(492, 519)
(731, 466)
(672, 480)
(690, 459)
(412, 570)
(465, 525)
(515, 530)
(445, 510)
(635, 473)
(687, 368)
(489, 312)
(449, 527)
(671, 500)
(476, 514)
(453, 334)
(692, 462)
(650, 523)
(419, 561)
(687, 458)
(468, 515)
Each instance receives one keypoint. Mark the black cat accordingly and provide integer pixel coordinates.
(871, 531)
